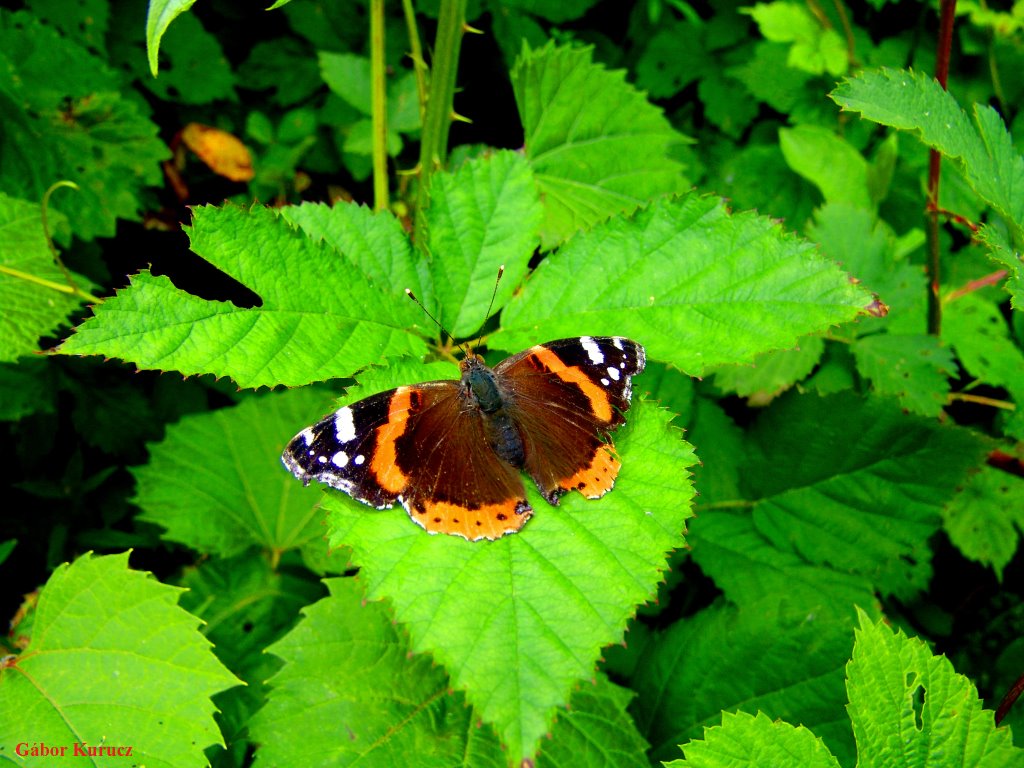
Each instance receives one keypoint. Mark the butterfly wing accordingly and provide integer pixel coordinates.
(416, 445)
(565, 397)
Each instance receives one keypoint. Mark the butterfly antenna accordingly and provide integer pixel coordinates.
(494, 293)
(411, 295)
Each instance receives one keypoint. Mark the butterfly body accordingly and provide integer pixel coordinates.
(451, 452)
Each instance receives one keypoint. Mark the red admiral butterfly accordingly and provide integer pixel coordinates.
(451, 451)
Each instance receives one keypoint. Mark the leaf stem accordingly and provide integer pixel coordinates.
(378, 88)
(982, 282)
(61, 287)
(43, 215)
(981, 400)
(440, 96)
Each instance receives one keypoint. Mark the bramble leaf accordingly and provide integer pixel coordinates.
(909, 707)
(65, 118)
(771, 372)
(782, 661)
(349, 692)
(695, 285)
(863, 484)
(518, 621)
(916, 102)
(30, 309)
(755, 740)
(216, 484)
(113, 661)
(482, 216)
(829, 162)
(985, 520)
(915, 368)
(597, 146)
(320, 317)
(158, 18)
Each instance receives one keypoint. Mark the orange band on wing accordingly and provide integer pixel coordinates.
(384, 464)
(490, 521)
(597, 479)
(599, 402)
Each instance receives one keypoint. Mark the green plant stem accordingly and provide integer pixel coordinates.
(378, 87)
(419, 65)
(945, 43)
(440, 96)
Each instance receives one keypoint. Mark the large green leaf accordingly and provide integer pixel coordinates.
(782, 661)
(916, 102)
(320, 317)
(911, 708)
(31, 309)
(64, 117)
(855, 484)
(113, 662)
(484, 215)
(351, 693)
(744, 740)
(518, 621)
(695, 285)
(597, 145)
(216, 484)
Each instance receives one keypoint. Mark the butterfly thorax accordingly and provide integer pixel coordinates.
(482, 390)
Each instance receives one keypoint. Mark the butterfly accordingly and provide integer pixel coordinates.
(451, 452)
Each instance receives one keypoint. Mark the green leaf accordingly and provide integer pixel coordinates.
(1007, 257)
(672, 59)
(750, 568)
(348, 76)
(909, 707)
(696, 286)
(916, 102)
(829, 162)
(373, 241)
(985, 520)
(913, 368)
(597, 146)
(977, 330)
(484, 215)
(754, 740)
(113, 662)
(320, 316)
(65, 118)
(350, 693)
(782, 661)
(863, 484)
(30, 310)
(195, 69)
(772, 372)
(245, 605)
(518, 621)
(596, 731)
(158, 18)
(816, 48)
(216, 484)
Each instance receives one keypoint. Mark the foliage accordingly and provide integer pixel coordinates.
(739, 188)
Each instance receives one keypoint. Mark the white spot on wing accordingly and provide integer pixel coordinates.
(593, 351)
(340, 459)
(307, 435)
(359, 459)
(344, 425)
(613, 372)
(605, 382)
(617, 342)
(322, 459)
